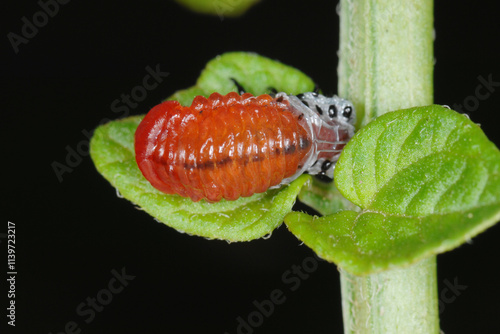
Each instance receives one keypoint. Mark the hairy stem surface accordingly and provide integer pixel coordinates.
(386, 63)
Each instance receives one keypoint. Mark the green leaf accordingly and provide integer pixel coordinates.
(256, 74)
(325, 198)
(221, 8)
(112, 150)
(427, 179)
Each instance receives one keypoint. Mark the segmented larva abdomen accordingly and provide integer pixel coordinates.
(222, 147)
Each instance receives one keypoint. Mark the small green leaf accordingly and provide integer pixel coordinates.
(112, 150)
(221, 8)
(427, 179)
(256, 74)
(325, 198)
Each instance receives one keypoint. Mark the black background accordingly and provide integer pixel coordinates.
(71, 234)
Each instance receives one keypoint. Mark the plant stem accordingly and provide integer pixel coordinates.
(386, 63)
(395, 301)
(386, 55)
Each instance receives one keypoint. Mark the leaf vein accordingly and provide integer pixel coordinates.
(405, 141)
(483, 188)
(459, 176)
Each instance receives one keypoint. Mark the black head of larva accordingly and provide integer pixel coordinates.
(333, 107)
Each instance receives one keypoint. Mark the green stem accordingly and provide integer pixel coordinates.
(386, 63)
(395, 301)
(386, 55)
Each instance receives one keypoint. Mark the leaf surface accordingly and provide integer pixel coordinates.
(426, 180)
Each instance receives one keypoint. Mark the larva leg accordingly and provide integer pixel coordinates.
(239, 87)
(322, 176)
(316, 88)
(241, 90)
(273, 91)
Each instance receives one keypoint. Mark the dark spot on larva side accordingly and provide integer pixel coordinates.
(347, 112)
(290, 149)
(300, 117)
(319, 110)
(301, 98)
(209, 165)
(224, 161)
(304, 143)
(279, 99)
(332, 111)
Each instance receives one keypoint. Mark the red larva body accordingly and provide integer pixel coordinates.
(222, 147)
